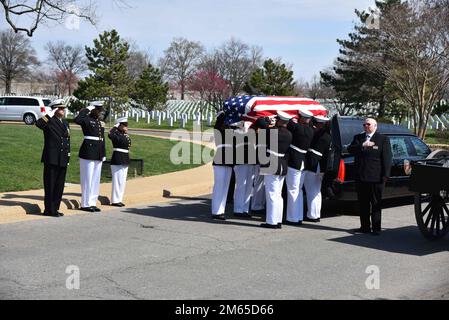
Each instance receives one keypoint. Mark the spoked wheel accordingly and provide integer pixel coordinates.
(432, 214)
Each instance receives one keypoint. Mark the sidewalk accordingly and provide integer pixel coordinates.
(28, 205)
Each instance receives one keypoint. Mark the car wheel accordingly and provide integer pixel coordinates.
(29, 119)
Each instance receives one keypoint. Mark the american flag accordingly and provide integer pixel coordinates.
(249, 108)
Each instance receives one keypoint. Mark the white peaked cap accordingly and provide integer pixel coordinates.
(305, 113)
(121, 120)
(57, 103)
(284, 116)
(322, 119)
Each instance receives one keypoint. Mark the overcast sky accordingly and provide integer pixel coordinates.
(302, 32)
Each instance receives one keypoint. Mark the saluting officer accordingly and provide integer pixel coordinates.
(302, 134)
(275, 171)
(316, 159)
(92, 154)
(55, 156)
(120, 160)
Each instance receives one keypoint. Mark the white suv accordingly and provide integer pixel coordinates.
(21, 108)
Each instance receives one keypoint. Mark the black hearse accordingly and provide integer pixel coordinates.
(406, 147)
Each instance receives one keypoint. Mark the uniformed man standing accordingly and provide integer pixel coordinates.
(315, 168)
(120, 160)
(92, 154)
(275, 171)
(55, 156)
(223, 165)
(302, 134)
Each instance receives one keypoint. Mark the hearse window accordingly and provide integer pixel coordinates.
(400, 148)
(420, 147)
(2, 101)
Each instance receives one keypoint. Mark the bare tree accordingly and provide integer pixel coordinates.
(137, 62)
(32, 13)
(180, 61)
(416, 60)
(16, 57)
(237, 62)
(69, 61)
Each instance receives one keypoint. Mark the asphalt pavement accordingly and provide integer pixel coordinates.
(175, 251)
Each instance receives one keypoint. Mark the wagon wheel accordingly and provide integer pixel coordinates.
(432, 214)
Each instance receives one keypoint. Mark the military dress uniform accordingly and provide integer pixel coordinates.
(92, 155)
(223, 165)
(258, 194)
(302, 138)
(244, 167)
(119, 162)
(315, 167)
(275, 171)
(55, 157)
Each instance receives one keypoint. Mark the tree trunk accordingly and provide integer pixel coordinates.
(182, 89)
(8, 85)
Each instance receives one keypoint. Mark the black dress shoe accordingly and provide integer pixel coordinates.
(242, 215)
(96, 209)
(54, 215)
(375, 233)
(270, 226)
(88, 209)
(312, 220)
(361, 230)
(122, 204)
(116, 205)
(299, 223)
(219, 217)
(60, 214)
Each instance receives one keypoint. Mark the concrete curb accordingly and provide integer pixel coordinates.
(28, 205)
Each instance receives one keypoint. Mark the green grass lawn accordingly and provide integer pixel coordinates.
(21, 149)
(435, 137)
(142, 124)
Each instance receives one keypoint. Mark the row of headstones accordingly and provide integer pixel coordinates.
(435, 122)
(170, 118)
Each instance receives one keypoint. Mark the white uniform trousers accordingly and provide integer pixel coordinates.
(119, 175)
(275, 203)
(295, 197)
(222, 179)
(312, 184)
(244, 177)
(258, 199)
(90, 175)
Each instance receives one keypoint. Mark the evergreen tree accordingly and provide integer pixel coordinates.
(109, 79)
(355, 83)
(150, 90)
(274, 79)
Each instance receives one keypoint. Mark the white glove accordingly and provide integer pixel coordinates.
(52, 112)
(90, 108)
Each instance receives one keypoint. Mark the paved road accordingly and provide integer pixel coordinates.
(174, 251)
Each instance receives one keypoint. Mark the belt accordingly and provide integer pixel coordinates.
(93, 138)
(297, 149)
(121, 150)
(316, 152)
(275, 153)
(224, 146)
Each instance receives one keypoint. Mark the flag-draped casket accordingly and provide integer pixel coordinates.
(249, 108)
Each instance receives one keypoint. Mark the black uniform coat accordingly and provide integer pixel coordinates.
(373, 163)
(56, 141)
(284, 141)
(321, 143)
(222, 152)
(91, 149)
(302, 138)
(119, 140)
